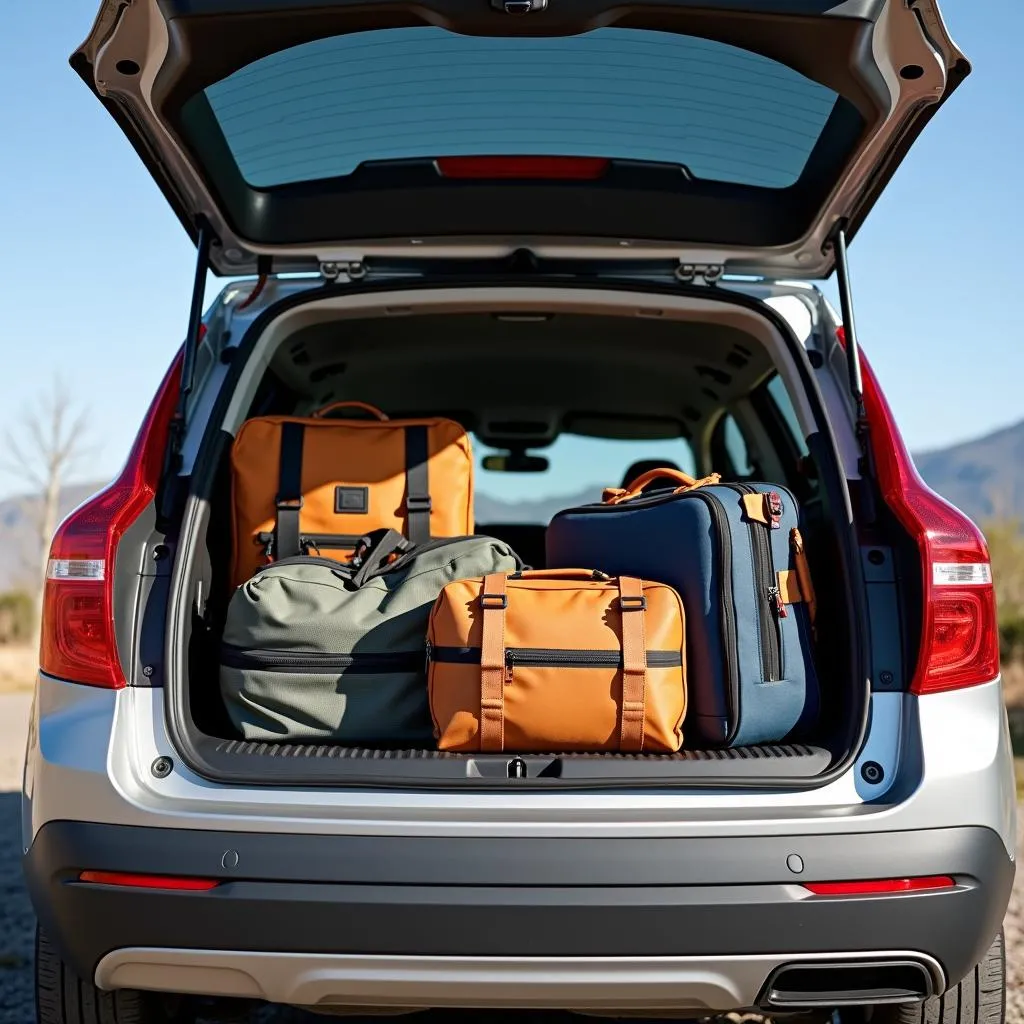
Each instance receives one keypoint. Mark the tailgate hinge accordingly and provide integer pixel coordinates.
(341, 272)
(700, 273)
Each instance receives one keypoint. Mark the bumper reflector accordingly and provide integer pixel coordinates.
(880, 886)
(148, 881)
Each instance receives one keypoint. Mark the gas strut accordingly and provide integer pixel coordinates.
(853, 369)
(176, 438)
(195, 319)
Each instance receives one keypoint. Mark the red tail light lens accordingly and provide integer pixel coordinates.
(77, 640)
(131, 881)
(959, 634)
(880, 886)
(565, 168)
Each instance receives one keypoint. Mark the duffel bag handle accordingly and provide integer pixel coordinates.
(616, 495)
(365, 406)
(559, 574)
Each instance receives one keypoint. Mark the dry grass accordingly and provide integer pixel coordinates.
(18, 665)
(1013, 684)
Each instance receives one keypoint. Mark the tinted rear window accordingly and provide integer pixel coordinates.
(321, 109)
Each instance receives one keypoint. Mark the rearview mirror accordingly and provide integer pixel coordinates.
(515, 462)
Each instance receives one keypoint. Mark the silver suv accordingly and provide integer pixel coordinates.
(572, 225)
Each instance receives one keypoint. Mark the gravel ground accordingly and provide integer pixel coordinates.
(16, 922)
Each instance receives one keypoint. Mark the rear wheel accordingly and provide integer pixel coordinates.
(979, 999)
(62, 997)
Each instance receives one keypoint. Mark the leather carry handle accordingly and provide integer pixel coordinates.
(493, 668)
(365, 406)
(616, 495)
(593, 575)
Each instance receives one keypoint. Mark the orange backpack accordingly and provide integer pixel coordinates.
(557, 660)
(301, 484)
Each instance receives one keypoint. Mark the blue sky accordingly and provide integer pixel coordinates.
(95, 272)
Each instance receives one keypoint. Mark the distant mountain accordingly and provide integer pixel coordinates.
(984, 478)
(540, 510)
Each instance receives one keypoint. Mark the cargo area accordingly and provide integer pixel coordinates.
(601, 395)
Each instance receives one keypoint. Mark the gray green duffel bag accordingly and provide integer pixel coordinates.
(315, 650)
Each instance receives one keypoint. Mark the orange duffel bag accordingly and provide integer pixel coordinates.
(315, 484)
(557, 660)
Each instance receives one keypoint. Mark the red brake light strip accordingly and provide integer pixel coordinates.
(133, 881)
(565, 168)
(880, 886)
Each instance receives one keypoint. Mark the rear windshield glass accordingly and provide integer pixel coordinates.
(321, 109)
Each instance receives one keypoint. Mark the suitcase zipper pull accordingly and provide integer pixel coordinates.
(775, 598)
(427, 651)
(509, 666)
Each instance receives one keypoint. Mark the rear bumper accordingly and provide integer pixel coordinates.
(483, 922)
(649, 985)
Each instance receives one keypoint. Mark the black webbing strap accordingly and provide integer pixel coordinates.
(289, 492)
(417, 484)
(379, 547)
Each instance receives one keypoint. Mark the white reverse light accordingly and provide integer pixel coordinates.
(959, 574)
(76, 569)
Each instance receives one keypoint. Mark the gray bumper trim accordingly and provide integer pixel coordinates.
(649, 984)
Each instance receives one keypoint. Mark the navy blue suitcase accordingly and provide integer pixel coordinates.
(730, 550)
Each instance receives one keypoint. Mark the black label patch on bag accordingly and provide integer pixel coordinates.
(352, 499)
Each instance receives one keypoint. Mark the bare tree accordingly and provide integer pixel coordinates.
(46, 446)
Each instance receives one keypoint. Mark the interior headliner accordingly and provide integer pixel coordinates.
(599, 375)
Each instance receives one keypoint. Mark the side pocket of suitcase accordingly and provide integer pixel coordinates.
(779, 689)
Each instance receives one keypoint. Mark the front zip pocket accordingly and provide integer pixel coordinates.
(771, 611)
(312, 541)
(298, 662)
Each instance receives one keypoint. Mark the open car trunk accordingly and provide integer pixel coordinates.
(614, 364)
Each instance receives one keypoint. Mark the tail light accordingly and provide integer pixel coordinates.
(77, 639)
(959, 630)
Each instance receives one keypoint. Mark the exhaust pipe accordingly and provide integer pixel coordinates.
(857, 983)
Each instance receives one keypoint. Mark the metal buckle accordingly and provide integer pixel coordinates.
(500, 601)
(628, 603)
(288, 503)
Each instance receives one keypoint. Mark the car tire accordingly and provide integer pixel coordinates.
(62, 997)
(979, 999)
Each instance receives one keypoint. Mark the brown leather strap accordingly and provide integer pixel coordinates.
(617, 495)
(493, 601)
(633, 605)
(803, 572)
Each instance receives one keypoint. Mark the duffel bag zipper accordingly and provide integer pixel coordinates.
(770, 607)
(550, 657)
(318, 661)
